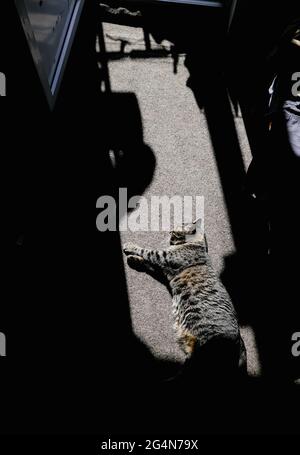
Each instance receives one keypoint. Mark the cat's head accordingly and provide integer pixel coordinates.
(189, 233)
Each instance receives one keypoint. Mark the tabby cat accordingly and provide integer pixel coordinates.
(205, 319)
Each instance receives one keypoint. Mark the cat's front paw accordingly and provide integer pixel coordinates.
(136, 263)
(130, 248)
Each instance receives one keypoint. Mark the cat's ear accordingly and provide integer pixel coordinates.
(198, 234)
(189, 229)
(199, 225)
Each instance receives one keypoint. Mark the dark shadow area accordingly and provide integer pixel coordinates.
(274, 174)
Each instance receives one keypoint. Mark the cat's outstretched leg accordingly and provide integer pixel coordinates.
(144, 260)
(151, 257)
(130, 249)
(153, 260)
(136, 260)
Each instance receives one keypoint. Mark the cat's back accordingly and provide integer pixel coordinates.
(201, 303)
